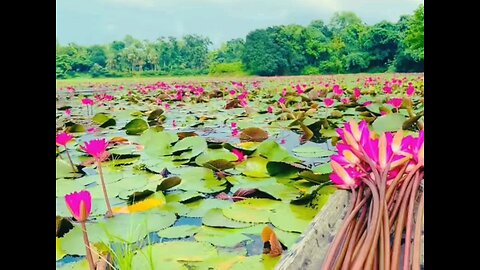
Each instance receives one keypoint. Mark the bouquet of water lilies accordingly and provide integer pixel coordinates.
(385, 174)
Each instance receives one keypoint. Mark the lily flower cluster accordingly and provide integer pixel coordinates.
(384, 173)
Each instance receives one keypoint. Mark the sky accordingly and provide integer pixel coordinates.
(89, 22)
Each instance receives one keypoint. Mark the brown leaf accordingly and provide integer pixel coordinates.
(271, 245)
(253, 134)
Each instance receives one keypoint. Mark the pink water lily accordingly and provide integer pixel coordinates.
(79, 204)
(64, 138)
(396, 102)
(328, 102)
(387, 90)
(68, 112)
(337, 90)
(410, 90)
(240, 155)
(357, 93)
(96, 148)
(270, 109)
(281, 100)
(87, 101)
(345, 100)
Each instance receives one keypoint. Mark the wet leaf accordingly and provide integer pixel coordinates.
(253, 134)
(215, 218)
(136, 126)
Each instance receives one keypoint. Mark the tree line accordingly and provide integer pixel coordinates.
(345, 45)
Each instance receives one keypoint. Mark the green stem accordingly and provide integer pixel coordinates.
(418, 235)
(104, 188)
(91, 264)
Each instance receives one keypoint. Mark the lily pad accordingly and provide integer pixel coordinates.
(180, 231)
(251, 210)
(253, 134)
(190, 146)
(323, 169)
(274, 152)
(388, 122)
(254, 167)
(215, 154)
(201, 207)
(292, 218)
(215, 218)
(312, 151)
(136, 126)
(221, 237)
(159, 254)
(258, 262)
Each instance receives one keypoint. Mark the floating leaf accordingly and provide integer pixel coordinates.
(219, 165)
(221, 237)
(314, 177)
(274, 152)
(75, 128)
(215, 218)
(162, 253)
(201, 207)
(215, 154)
(222, 262)
(63, 169)
(180, 231)
(258, 262)
(323, 169)
(169, 183)
(183, 196)
(254, 167)
(136, 126)
(251, 210)
(253, 134)
(66, 186)
(155, 114)
(59, 253)
(140, 206)
(191, 146)
(292, 218)
(388, 122)
(312, 151)
(282, 169)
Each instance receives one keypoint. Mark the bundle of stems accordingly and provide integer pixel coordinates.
(386, 202)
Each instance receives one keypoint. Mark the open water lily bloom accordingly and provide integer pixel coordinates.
(63, 138)
(96, 148)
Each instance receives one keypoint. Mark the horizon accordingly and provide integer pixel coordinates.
(103, 21)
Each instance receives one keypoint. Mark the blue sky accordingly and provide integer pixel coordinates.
(88, 22)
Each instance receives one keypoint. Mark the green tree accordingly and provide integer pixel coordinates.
(414, 39)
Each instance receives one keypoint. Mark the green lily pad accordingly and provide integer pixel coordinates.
(162, 253)
(200, 179)
(221, 237)
(222, 262)
(258, 262)
(180, 231)
(314, 177)
(201, 207)
(312, 151)
(215, 218)
(136, 126)
(323, 169)
(64, 169)
(182, 196)
(282, 169)
(157, 143)
(190, 146)
(388, 122)
(66, 186)
(251, 210)
(274, 152)
(254, 167)
(292, 218)
(215, 154)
